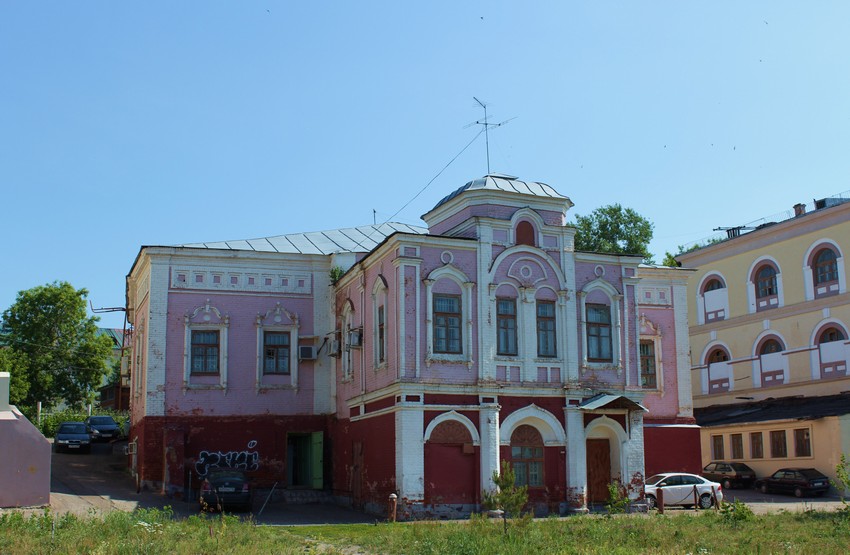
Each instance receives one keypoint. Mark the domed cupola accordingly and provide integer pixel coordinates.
(495, 196)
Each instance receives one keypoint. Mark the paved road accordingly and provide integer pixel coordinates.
(99, 482)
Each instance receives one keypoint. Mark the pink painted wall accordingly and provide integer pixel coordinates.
(241, 397)
(26, 462)
(498, 211)
(666, 404)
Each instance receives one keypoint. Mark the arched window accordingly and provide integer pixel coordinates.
(766, 282)
(825, 273)
(527, 456)
(713, 284)
(718, 355)
(771, 363)
(826, 267)
(765, 285)
(525, 234)
(719, 372)
(832, 353)
(714, 299)
(831, 334)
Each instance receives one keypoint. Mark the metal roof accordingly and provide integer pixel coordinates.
(508, 183)
(603, 400)
(785, 408)
(352, 239)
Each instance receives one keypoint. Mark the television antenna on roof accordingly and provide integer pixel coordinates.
(487, 125)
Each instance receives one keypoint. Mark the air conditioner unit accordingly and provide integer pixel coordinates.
(334, 348)
(355, 338)
(306, 352)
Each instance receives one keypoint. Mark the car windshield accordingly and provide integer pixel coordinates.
(811, 473)
(652, 480)
(742, 467)
(101, 420)
(72, 429)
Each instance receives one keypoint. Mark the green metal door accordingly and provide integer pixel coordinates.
(317, 460)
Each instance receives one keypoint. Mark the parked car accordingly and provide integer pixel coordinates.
(225, 487)
(72, 436)
(799, 481)
(730, 474)
(103, 428)
(678, 488)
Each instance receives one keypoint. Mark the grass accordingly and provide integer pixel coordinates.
(709, 532)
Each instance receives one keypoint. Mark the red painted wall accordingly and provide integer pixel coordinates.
(377, 471)
(451, 476)
(672, 449)
(258, 443)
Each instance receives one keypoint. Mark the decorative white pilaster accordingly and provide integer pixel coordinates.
(410, 453)
(576, 458)
(489, 425)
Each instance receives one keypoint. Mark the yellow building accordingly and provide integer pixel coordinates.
(769, 315)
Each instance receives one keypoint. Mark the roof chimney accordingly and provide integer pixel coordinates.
(4, 391)
(799, 209)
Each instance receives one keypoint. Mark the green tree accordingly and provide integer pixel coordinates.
(15, 364)
(669, 260)
(64, 357)
(508, 497)
(616, 230)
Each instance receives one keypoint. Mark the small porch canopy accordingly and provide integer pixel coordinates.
(607, 401)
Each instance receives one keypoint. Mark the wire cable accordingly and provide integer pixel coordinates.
(439, 173)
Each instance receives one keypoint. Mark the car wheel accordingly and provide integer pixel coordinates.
(651, 503)
(705, 501)
(763, 488)
(798, 492)
(727, 484)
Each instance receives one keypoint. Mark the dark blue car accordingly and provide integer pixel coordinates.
(72, 436)
(103, 428)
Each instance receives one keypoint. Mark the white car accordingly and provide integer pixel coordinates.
(678, 489)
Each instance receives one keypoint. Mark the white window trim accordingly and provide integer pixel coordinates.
(448, 272)
(808, 276)
(275, 323)
(752, 300)
(379, 298)
(345, 343)
(207, 313)
(655, 338)
(614, 299)
(701, 297)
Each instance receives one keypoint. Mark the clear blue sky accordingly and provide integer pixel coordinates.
(155, 123)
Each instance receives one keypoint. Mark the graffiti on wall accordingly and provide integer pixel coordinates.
(241, 460)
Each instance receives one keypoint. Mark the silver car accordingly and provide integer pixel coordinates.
(678, 488)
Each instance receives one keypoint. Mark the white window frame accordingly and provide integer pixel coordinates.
(379, 299)
(466, 290)
(808, 275)
(205, 317)
(275, 320)
(655, 338)
(752, 299)
(614, 300)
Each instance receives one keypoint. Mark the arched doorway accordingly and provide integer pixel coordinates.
(451, 465)
(603, 457)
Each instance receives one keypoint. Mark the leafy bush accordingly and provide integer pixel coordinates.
(618, 499)
(736, 512)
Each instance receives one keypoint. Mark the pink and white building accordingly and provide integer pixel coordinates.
(392, 359)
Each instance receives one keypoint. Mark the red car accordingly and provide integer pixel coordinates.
(799, 481)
